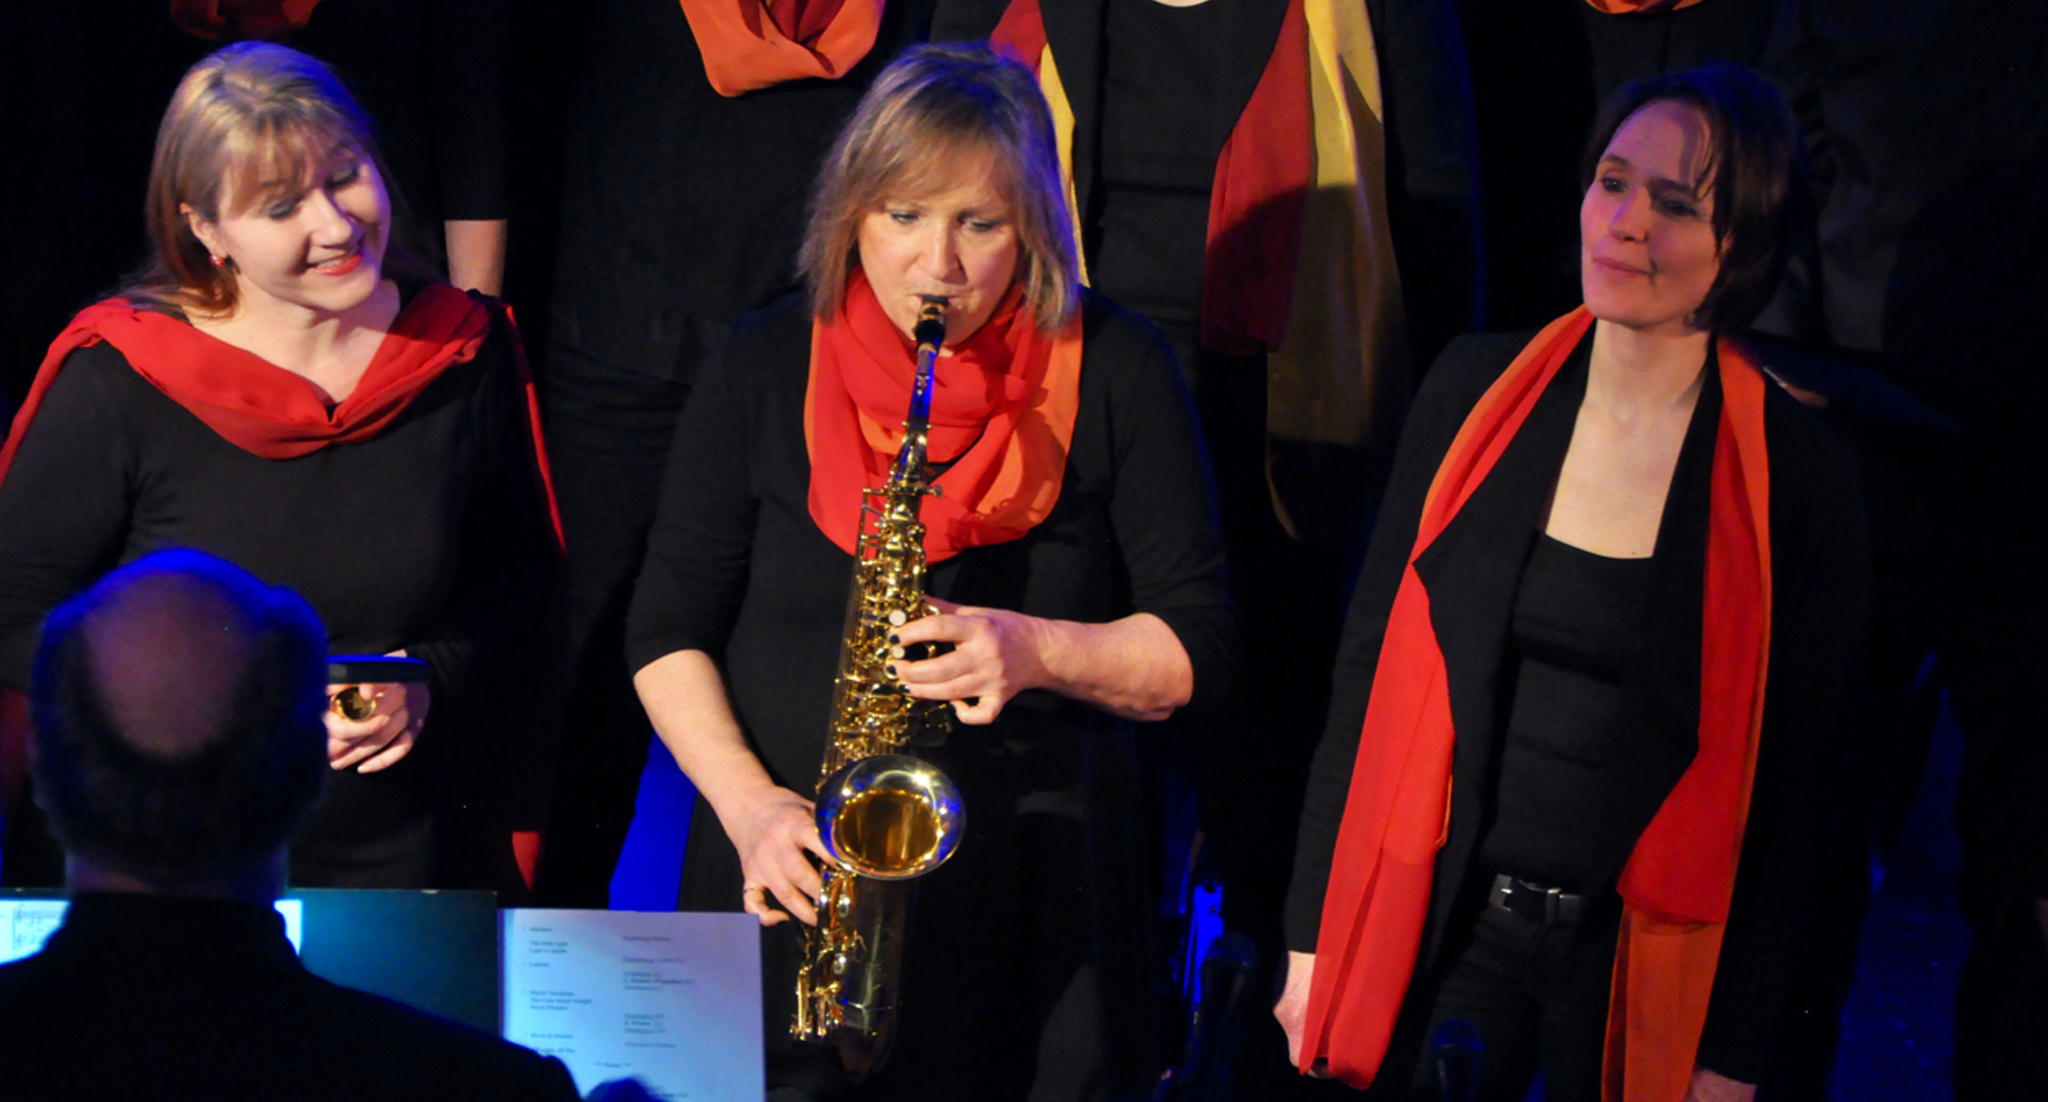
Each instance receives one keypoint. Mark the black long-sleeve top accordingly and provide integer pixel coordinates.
(1820, 614)
(431, 536)
(737, 568)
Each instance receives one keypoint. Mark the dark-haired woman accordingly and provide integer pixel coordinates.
(1593, 689)
(277, 390)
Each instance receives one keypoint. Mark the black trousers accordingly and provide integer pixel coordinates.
(608, 433)
(1537, 994)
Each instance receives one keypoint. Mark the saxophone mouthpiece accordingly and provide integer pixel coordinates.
(930, 331)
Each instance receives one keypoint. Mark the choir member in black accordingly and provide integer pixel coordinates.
(694, 132)
(1928, 125)
(1581, 766)
(283, 389)
(1074, 560)
(1300, 291)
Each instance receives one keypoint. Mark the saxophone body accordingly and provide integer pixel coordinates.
(885, 817)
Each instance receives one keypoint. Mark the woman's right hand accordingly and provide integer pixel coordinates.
(1292, 1009)
(775, 832)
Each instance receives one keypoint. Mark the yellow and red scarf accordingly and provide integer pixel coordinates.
(1003, 408)
(1681, 875)
(1310, 285)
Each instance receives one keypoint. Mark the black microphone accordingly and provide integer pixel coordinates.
(1205, 1071)
(1459, 1050)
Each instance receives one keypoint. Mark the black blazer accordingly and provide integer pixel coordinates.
(1820, 612)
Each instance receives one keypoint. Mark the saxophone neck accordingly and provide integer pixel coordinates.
(930, 334)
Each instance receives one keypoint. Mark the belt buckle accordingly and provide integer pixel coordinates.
(1506, 888)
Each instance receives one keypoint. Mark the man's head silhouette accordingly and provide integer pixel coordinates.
(178, 733)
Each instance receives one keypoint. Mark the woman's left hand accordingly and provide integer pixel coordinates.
(383, 738)
(1709, 1087)
(996, 655)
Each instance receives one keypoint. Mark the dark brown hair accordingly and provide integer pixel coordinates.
(249, 123)
(930, 113)
(1753, 169)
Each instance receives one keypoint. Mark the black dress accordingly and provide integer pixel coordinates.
(1026, 959)
(432, 536)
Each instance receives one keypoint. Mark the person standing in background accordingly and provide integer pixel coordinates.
(1287, 189)
(1928, 129)
(695, 131)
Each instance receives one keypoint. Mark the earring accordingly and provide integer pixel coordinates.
(218, 261)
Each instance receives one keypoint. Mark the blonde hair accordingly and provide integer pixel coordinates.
(250, 122)
(931, 111)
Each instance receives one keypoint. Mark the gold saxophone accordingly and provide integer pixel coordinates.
(885, 817)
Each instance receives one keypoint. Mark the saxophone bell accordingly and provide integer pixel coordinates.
(889, 817)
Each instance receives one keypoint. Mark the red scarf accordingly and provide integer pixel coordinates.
(1639, 7)
(268, 411)
(1003, 407)
(1681, 875)
(235, 20)
(749, 44)
(255, 404)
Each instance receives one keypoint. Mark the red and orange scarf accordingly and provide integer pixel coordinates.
(1003, 408)
(1681, 875)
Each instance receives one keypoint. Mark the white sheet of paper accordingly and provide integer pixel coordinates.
(673, 1000)
(25, 924)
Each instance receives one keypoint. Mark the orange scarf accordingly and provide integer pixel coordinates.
(235, 20)
(749, 44)
(1003, 407)
(1681, 875)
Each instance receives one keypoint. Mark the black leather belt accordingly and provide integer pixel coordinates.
(1551, 906)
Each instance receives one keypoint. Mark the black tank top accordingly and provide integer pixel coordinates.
(1573, 623)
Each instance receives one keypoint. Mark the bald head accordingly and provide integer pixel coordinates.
(169, 653)
(178, 732)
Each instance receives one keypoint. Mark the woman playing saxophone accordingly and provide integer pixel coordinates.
(1072, 559)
